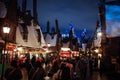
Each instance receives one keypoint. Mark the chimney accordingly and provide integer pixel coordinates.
(24, 6)
(12, 11)
(57, 28)
(48, 26)
(35, 11)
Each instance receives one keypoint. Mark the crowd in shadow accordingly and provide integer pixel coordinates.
(55, 69)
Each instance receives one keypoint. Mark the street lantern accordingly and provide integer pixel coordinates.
(6, 31)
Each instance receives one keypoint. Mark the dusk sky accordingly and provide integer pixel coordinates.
(81, 13)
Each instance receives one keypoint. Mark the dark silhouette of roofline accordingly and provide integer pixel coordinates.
(113, 3)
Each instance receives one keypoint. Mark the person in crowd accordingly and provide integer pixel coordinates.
(91, 65)
(71, 67)
(77, 71)
(13, 72)
(38, 73)
(63, 72)
(28, 65)
(102, 67)
(24, 72)
(33, 60)
(81, 68)
(54, 68)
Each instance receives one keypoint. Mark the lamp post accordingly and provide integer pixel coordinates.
(6, 31)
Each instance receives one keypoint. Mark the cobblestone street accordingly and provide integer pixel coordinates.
(96, 76)
(108, 76)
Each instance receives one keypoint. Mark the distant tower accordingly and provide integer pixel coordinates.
(101, 8)
(102, 12)
(71, 35)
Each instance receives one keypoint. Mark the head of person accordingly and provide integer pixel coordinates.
(14, 63)
(37, 64)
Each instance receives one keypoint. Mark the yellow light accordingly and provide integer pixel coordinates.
(48, 45)
(99, 34)
(19, 48)
(15, 50)
(65, 49)
(6, 29)
(96, 50)
(100, 55)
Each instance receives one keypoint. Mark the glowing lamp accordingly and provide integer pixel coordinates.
(99, 34)
(6, 29)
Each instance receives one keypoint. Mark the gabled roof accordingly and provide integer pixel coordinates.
(32, 37)
(51, 40)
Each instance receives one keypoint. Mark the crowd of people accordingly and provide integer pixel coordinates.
(54, 69)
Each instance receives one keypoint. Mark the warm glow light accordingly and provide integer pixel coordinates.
(96, 50)
(65, 49)
(6, 29)
(15, 50)
(19, 48)
(47, 51)
(100, 55)
(99, 34)
(48, 45)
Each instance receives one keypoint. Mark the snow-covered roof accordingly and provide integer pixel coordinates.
(50, 40)
(43, 43)
(32, 37)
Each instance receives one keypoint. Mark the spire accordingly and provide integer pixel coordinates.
(101, 8)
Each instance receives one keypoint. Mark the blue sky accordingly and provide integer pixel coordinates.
(82, 13)
(112, 20)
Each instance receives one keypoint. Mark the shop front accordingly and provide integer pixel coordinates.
(65, 53)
